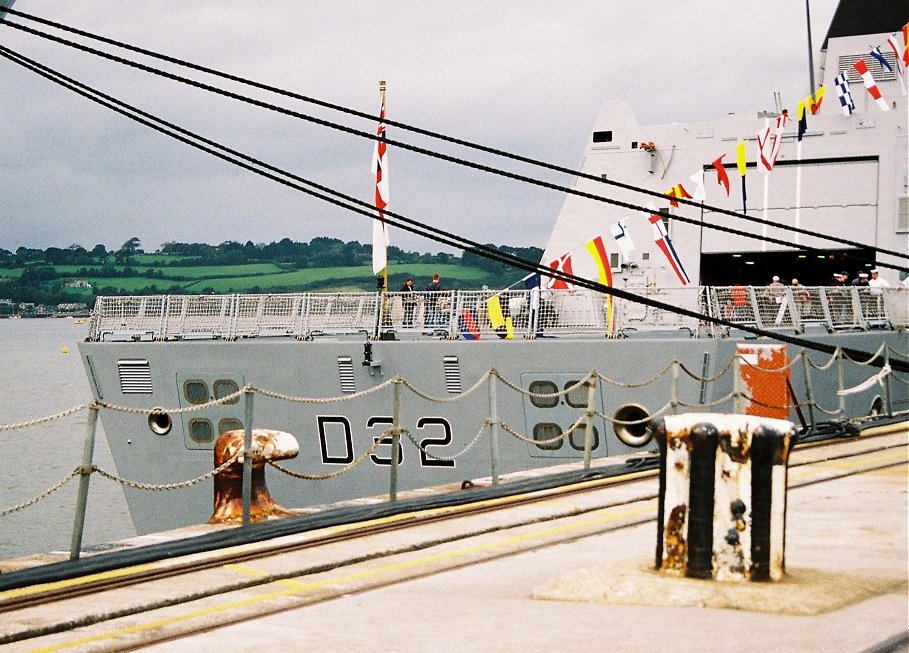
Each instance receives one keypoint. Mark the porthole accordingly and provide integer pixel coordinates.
(201, 431)
(634, 435)
(577, 396)
(225, 387)
(229, 424)
(544, 388)
(195, 391)
(159, 422)
(547, 431)
(576, 439)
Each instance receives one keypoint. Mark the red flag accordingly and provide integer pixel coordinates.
(721, 177)
(562, 263)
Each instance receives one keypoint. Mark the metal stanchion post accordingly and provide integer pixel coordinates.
(588, 427)
(887, 398)
(247, 454)
(493, 428)
(841, 380)
(674, 392)
(86, 472)
(809, 391)
(395, 442)
(737, 386)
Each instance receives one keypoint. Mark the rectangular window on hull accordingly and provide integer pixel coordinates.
(602, 137)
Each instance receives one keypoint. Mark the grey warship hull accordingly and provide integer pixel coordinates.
(336, 395)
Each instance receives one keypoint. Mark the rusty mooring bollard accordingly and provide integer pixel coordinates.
(267, 444)
(722, 510)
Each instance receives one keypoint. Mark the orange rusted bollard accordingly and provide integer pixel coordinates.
(267, 445)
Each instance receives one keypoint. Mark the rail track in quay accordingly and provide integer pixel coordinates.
(171, 599)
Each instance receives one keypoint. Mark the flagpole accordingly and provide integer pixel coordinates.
(379, 234)
(384, 272)
(766, 195)
(798, 189)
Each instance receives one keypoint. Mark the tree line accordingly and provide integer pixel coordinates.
(40, 281)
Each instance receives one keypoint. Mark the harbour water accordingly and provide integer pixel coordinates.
(44, 376)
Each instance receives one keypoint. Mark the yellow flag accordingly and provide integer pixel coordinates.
(503, 326)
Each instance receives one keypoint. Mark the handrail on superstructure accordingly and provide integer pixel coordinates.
(479, 314)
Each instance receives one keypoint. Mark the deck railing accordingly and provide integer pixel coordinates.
(483, 314)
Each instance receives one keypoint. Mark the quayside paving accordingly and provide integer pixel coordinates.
(845, 587)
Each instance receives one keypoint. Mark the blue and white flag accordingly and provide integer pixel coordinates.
(842, 90)
(619, 231)
(877, 54)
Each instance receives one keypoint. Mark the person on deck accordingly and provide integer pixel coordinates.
(876, 287)
(861, 281)
(409, 300)
(433, 290)
(877, 283)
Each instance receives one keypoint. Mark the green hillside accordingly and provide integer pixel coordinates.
(76, 275)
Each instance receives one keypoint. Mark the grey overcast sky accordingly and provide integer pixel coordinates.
(520, 75)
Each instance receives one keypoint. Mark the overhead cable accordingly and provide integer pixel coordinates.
(396, 219)
(439, 155)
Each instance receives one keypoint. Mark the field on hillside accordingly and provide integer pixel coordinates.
(152, 274)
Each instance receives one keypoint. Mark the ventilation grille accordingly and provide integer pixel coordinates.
(878, 72)
(135, 377)
(346, 374)
(452, 374)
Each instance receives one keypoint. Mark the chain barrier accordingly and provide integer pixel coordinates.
(444, 400)
(711, 404)
(874, 356)
(642, 384)
(544, 395)
(581, 421)
(486, 424)
(43, 420)
(168, 486)
(233, 397)
(708, 379)
(828, 412)
(382, 439)
(826, 366)
(635, 422)
(324, 400)
(867, 383)
(774, 370)
(387, 433)
(902, 354)
(25, 504)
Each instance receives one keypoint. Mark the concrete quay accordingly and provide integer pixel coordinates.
(580, 584)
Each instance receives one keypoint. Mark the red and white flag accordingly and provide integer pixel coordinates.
(769, 143)
(380, 170)
(895, 42)
(562, 264)
(872, 88)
